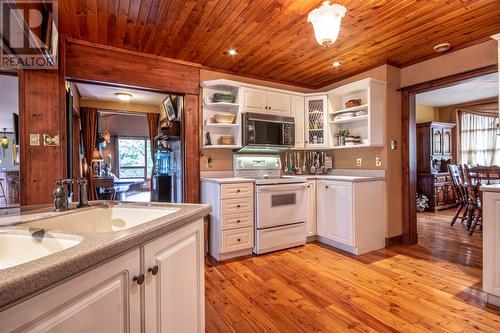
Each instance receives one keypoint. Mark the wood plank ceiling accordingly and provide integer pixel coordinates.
(272, 37)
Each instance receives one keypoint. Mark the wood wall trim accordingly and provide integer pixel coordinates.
(191, 134)
(96, 63)
(131, 52)
(408, 143)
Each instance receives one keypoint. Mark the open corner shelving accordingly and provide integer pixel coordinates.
(210, 109)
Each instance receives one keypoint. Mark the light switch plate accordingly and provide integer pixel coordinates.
(34, 139)
(51, 140)
(394, 144)
(359, 162)
(378, 161)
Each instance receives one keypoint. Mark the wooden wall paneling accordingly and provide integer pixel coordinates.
(97, 63)
(40, 112)
(191, 133)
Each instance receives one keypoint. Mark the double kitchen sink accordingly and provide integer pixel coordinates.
(39, 238)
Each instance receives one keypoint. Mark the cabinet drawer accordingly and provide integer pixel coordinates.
(231, 206)
(239, 220)
(238, 190)
(237, 239)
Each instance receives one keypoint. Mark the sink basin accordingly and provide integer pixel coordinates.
(18, 247)
(104, 219)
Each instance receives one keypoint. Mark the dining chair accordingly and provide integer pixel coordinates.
(457, 177)
(475, 176)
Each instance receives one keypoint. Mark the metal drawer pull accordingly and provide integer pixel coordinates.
(239, 239)
(238, 190)
(153, 270)
(139, 279)
(238, 221)
(238, 206)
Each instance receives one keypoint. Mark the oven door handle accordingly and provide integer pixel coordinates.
(284, 187)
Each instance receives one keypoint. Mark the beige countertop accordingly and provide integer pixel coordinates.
(227, 180)
(490, 188)
(21, 281)
(342, 178)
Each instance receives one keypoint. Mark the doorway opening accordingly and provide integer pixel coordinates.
(9, 142)
(136, 151)
(449, 124)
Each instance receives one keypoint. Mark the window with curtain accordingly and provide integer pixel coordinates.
(478, 139)
(134, 158)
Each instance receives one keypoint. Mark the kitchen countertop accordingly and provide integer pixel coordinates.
(18, 282)
(228, 180)
(342, 178)
(490, 188)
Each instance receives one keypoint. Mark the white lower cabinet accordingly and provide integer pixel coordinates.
(107, 298)
(174, 293)
(350, 215)
(311, 225)
(232, 218)
(491, 246)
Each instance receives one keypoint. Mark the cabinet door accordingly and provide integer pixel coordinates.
(174, 296)
(321, 208)
(447, 141)
(339, 225)
(104, 299)
(311, 208)
(316, 122)
(298, 115)
(437, 141)
(254, 100)
(278, 103)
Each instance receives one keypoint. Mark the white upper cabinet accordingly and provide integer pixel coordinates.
(278, 103)
(316, 122)
(256, 100)
(297, 108)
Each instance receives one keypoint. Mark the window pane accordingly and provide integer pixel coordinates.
(132, 152)
(131, 173)
(149, 161)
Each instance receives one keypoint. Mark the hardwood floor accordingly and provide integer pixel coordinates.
(431, 287)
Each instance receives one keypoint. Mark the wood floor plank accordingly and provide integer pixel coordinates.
(434, 286)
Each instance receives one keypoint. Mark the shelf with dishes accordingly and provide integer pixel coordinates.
(221, 115)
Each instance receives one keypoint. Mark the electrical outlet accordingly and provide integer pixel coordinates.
(51, 140)
(378, 161)
(34, 139)
(359, 162)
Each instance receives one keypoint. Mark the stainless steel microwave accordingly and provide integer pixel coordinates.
(265, 130)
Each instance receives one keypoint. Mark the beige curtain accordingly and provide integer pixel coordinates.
(478, 139)
(89, 126)
(153, 120)
(488, 109)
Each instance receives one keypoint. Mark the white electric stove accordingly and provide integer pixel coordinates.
(281, 202)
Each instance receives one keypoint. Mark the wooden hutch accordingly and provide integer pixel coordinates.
(435, 145)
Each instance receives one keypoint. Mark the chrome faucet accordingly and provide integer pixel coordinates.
(61, 202)
(83, 200)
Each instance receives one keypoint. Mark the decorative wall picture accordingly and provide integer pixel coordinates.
(170, 108)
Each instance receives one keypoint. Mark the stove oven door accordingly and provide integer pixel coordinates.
(281, 204)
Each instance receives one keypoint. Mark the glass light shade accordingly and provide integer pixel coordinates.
(106, 136)
(4, 142)
(96, 155)
(326, 22)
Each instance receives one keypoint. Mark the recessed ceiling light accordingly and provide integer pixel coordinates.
(123, 96)
(231, 52)
(443, 47)
(336, 64)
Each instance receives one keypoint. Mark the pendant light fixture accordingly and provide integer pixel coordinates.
(326, 22)
(4, 142)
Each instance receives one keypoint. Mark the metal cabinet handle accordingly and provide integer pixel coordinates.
(139, 279)
(326, 186)
(238, 221)
(238, 191)
(238, 206)
(239, 239)
(153, 270)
